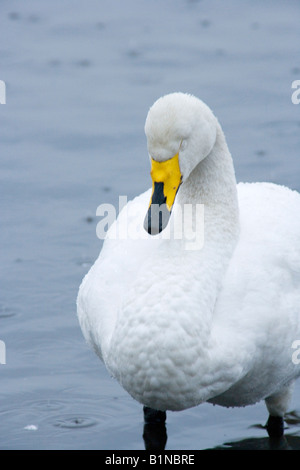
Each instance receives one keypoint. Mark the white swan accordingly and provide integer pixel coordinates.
(178, 326)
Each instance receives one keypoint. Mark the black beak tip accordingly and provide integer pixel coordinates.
(156, 219)
(152, 229)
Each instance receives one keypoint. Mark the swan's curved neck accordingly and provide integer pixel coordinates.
(213, 184)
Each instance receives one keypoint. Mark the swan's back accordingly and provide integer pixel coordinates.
(270, 235)
(259, 305)
(265, 267)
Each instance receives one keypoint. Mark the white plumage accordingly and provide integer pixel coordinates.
(177, 326)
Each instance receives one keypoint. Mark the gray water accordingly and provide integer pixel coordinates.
(80, 77)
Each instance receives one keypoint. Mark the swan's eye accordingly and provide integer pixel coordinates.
(183, 144)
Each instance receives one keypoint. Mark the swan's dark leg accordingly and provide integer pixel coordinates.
(152, 416)
(277, 405)
(275, 426)
(155, 432)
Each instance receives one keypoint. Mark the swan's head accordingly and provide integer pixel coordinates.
(181, 131)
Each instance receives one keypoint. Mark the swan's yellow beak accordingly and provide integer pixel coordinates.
(166, 179)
